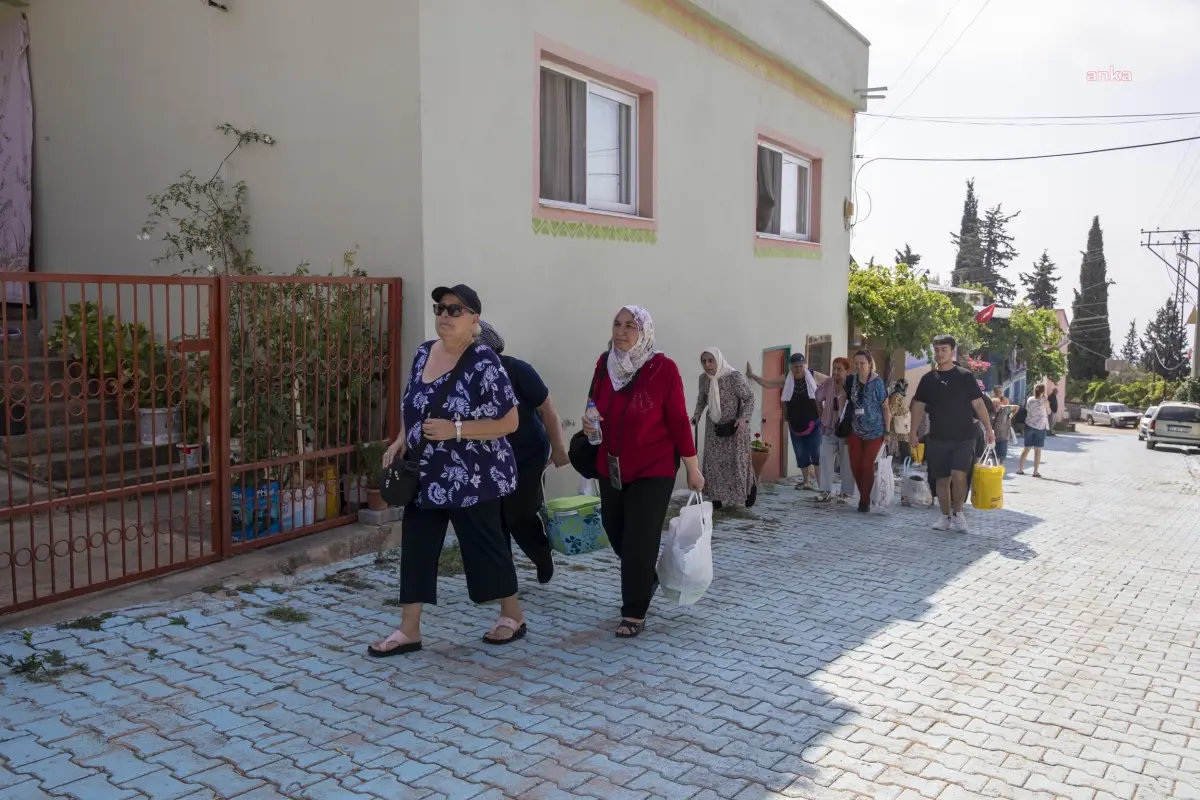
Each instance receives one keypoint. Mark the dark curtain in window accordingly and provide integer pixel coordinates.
(563, 138)
(770, 189)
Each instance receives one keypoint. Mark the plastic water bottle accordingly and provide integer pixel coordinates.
(592, 417)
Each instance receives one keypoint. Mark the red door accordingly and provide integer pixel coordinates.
(773, 433)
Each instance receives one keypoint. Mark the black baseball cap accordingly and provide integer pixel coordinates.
(797, 358)
(463, 292)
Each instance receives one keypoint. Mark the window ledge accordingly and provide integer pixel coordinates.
(552, 210)
(774, 240)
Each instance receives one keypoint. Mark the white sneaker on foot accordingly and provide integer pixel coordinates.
(943, 524)
(960, 523)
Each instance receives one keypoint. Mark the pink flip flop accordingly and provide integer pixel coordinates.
(519, 631)
(402, 643)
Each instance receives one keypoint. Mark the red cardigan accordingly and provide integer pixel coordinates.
(645, 424)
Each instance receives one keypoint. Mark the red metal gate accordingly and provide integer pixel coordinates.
(149, 424)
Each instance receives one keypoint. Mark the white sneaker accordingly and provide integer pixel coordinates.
(943, 524)
(960, 523)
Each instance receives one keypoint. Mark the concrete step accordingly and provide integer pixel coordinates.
(95, 462)
(72, 438)
(19, 348)
(81, 484)
(33, 368)
(55, 413)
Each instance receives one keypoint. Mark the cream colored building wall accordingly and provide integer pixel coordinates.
(554, 298)
(127, 93)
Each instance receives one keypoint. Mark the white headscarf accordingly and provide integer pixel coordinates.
(789, 385)
(622, 367)
(714, 385)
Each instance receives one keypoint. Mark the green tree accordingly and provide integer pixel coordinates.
(1166, 344)
(1091, 335)
(1033, 337)
(1131, 351)
(896, 310)
(969, 260)
(1040, 289)
(907, 256)
(998, 253)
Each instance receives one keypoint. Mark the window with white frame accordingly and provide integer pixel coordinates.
(588, 138)
(784, 193)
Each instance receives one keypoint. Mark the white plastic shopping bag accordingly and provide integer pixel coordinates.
(884, 490)
(685, 568)
(914, 489)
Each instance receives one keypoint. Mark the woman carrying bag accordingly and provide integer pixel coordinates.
(641, 418)
(726, 405)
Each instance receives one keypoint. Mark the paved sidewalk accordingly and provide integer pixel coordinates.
(1050, 653)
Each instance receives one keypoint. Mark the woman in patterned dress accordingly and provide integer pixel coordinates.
(466, 470)
(726, 403)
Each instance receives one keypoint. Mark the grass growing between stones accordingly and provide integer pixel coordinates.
(85, 623)
(287, 614)
(42, 669)
(450, 563)
(348, 580)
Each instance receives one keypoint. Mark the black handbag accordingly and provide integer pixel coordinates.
(580, 452)
(845, 420)
(727, 429)
(400, 483)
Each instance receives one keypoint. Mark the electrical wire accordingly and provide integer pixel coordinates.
(1064, 116)
(936, 64)
(990, 123)
(1034, 157)
(922, 50)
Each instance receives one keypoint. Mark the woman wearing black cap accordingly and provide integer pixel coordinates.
(460, 400)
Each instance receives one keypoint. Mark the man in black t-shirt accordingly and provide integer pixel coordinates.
(954, 402)
(537, 439)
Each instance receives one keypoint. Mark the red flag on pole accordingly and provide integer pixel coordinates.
(985, 315)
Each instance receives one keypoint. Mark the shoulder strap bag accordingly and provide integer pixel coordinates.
(401, 481)
(582, 453)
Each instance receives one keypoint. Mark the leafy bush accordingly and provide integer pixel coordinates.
(1188, 391)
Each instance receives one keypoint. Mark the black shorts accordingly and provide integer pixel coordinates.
(945, 457)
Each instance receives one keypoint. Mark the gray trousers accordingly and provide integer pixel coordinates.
(835, 451)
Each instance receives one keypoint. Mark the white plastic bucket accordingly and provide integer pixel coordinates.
(158, 426)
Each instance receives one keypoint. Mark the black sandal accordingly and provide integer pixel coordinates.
(400, 639)
(519, 631)
(634, 628)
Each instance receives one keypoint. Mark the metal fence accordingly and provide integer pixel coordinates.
(152, 424)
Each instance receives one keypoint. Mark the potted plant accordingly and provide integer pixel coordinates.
(760, 451)
(370, 459)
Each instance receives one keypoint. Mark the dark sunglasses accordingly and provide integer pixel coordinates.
(454, 310)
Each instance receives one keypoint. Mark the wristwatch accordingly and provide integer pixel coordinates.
(458, 430)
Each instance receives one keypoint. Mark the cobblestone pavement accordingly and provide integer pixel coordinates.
(1050, 653)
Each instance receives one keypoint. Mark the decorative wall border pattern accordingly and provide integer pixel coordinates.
(787, 252)
(707, 31)
(589, 230)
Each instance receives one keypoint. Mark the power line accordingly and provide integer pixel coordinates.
(1052, 116)
(1015, 124)
(927, 41)
(1034, 157)
(938, 63)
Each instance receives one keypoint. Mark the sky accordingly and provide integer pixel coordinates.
(1027, 58)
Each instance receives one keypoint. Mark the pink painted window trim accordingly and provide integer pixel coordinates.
(646, 91)
(817, 158)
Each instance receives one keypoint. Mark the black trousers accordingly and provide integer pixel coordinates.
(633, 519)
(522, 518)
(487, 559)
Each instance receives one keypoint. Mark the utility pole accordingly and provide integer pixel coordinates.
(1181, 242)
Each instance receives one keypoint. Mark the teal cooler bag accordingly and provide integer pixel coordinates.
(573, 524)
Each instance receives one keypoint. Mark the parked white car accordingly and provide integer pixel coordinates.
(1114, 415)
(1145, 423)
(1175, 423)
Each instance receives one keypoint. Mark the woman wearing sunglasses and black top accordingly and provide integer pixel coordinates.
(465, 471)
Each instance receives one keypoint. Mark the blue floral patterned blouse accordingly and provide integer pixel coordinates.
(460, 474)
(870, 398)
